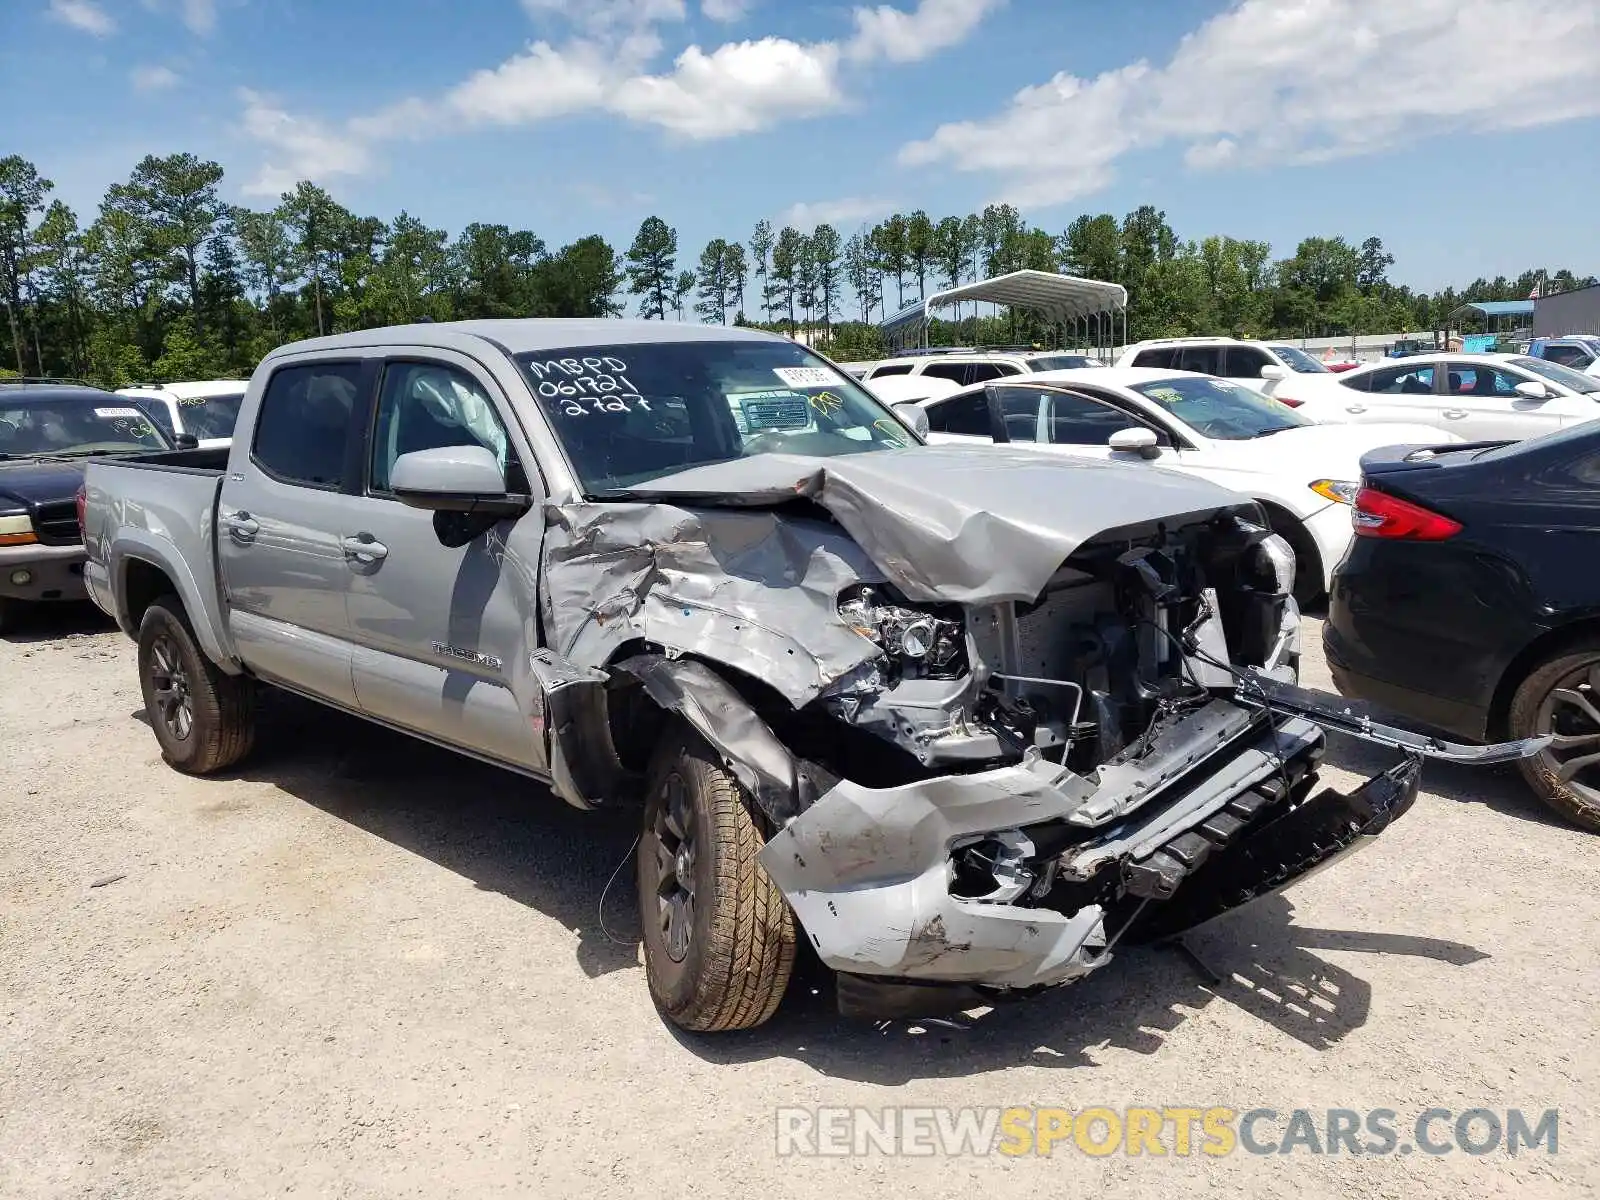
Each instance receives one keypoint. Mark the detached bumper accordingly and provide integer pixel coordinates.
(41, 573)
(870, 872)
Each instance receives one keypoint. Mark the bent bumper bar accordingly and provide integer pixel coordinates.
(868, 871)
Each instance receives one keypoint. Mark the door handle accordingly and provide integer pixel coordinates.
(1355, 408)
(363, 548)
(1455, 414)
(241, 525)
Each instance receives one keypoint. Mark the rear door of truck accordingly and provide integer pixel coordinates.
(283, 519)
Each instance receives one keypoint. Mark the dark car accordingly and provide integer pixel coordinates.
(47, 431)
(1470, 600)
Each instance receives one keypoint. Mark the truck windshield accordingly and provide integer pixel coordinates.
(69, 425)
(627, 414)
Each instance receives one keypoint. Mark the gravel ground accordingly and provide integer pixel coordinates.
(363, 967)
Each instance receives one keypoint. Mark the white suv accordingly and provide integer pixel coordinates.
(205, 410)
(966, 367)
(1286, 373)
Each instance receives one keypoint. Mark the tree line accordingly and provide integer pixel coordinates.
(168, 281)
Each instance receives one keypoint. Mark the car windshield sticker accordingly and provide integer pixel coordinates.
(826, 403)
(109, 413)
(806, 377)
(1165, 395)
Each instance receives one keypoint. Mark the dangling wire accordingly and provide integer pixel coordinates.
(605, 891)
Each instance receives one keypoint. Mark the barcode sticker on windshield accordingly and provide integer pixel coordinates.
(806, 377)
(117, 412)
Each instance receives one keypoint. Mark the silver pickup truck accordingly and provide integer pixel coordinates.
(961, 719)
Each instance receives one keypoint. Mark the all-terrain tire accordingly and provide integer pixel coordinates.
(741, 945)
(221, 726)
(1523, 720)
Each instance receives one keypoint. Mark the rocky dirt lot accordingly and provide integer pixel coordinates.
(362, 967)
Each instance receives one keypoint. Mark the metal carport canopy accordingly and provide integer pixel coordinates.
(1059, 298)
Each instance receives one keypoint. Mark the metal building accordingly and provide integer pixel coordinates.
(1577, 311)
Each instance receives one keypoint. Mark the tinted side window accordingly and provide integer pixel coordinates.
(1481, 381)
(1019, 410)
(1079, 421)
(1156, 358)
(955, 372)
(1204, 359)
(964, 414)
(984, 372)
(424, 406)
(1404, 381)
(894, 369)
(303, 428)
(1244, 362)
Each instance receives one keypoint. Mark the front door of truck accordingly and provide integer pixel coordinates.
(281, 513)
(441, 632)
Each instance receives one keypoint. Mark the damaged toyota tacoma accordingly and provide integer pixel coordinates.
(961, 719)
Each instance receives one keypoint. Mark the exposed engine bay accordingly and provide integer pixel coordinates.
(1133, 631)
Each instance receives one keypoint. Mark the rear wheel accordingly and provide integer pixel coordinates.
(203, 717)
(1561, 699)
(719, 939)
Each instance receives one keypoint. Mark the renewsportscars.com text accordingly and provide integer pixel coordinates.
(1176, 1131)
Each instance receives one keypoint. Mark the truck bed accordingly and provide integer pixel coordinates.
(151, 516)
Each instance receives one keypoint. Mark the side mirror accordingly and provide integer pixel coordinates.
(915, 416)
(1138, 440)
(186, 441)
(465, 479)
(1273, 371)
(1529, 390)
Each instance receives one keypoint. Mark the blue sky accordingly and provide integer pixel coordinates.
(1462, 132)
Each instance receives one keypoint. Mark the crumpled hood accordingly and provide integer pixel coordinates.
(966, 525)
(32, 481)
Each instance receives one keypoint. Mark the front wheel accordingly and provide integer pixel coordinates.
(1561, 699)
(719, 939)
(203, 717)
(1308, 583)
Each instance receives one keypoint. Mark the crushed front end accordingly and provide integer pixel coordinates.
(1051, 778)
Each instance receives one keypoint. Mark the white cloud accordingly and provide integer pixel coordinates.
(739, 87)
(298, 148)
(1291, 81)
(540, 83)
(152, 78)
(724, 10)
(84, 15)
(934, 25)
(848, 210)
(200, 15)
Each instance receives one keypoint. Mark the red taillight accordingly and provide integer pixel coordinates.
(1380, 515)
(83, 503)
(1288, 401)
